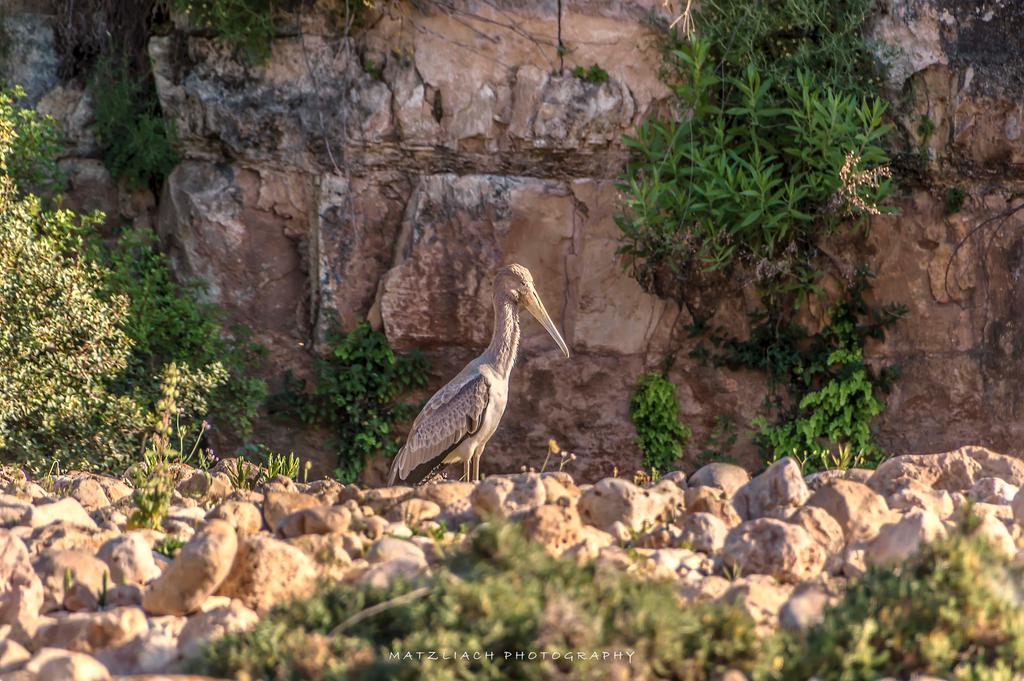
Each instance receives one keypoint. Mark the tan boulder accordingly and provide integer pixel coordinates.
(277, 505)
(901, 539)
(556, 527)
(916, 495)
(54, 664)
(761, 596)
(58, 569)
(12, 510)
(67, 537)
(213, 624)
(592, 541)
(858, 509)
(992, 491)
(266, 572)
(558, 486)
(87, 632)
(381, 499)
(381, 575)
(725, 476)
(200, 567)
(130, 559)
(950, 471)
(315, 520)
(825, 530)
(805, 607)
(615, 500)
(90, 494)
(772, 547)
(155, 650)
(244, 516)
(327, 551)
(1017, 507)
(13, 655)
(452, 497)
(21, 591)
(507, 494)
(704, 532)
(66, 510)
(207, 485)
(774, 493)
(413, 511)
(994, 531)
(713, 500)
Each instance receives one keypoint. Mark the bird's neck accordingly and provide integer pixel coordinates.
(505, 341)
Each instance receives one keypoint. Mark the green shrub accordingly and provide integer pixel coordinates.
(654, 411)
(782, 39)
(955, 199)
(166, 323)
(87, 330)
(501, 594)
(755, 173)
(823, 394)
(952, 611)
(356, 396)
(249, 25)
(594, 74)
(62, 342)
(139, 146)
(31, 160)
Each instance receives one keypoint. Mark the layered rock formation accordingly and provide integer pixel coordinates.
(386, 174)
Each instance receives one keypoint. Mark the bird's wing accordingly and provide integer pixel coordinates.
(454, 413)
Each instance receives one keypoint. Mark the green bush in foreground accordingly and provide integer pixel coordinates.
(952, 611)
(501, 594)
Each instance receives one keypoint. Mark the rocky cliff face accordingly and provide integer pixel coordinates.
(387, 175)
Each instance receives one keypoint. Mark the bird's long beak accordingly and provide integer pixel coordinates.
(536, 308)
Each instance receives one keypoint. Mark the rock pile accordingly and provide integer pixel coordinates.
(85, 597)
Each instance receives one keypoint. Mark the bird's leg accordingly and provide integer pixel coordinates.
(476, 464)
(465, 469)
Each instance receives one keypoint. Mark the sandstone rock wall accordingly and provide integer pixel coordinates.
(387, 174)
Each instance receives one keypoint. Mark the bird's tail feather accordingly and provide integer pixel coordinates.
(393, 471)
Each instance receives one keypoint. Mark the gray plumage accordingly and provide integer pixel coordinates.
(461, 417)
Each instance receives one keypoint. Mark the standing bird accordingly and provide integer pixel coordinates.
(461, 417)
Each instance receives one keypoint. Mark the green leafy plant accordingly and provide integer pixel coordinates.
(755, 173)
(655, 414)
(63, 342)
(720, 441)
(356, 395)
(89, 329)
(780, 40)
(139, 146)
(823, 393)
(169, 546)
(955, 200)
(595, 74)
(498, 594)
(166, 322)
(249, 25)
(35, 146)
(152, 478)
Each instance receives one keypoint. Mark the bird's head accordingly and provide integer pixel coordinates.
(516, 283)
